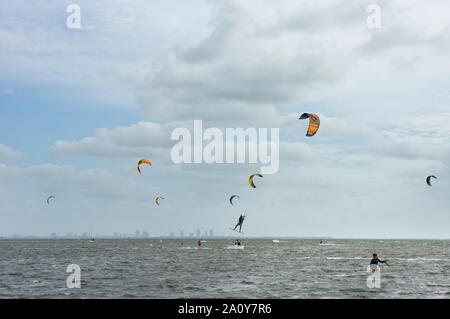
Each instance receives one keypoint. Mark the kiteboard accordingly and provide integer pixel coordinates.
(235, 247)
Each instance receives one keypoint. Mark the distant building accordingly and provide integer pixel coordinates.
(198, 233)
(138, 234)
(211, 233)
(145, 234)
(181, 234)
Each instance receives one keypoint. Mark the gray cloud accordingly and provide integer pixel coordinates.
(231, 75)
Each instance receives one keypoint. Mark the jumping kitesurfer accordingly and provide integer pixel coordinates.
(240, 222)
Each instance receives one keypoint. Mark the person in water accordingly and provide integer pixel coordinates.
(241, 220)
(237, 242)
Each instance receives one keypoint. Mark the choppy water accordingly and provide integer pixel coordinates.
(289, 269)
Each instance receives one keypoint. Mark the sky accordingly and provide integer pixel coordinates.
(80, 106)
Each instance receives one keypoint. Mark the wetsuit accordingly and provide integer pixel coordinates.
(375, 261)
(241, 220)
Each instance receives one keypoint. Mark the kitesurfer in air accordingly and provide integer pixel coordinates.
(241, 220)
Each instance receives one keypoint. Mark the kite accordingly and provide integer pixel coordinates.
(250, 179)
(48, 199)
(314, 123)
(142, 161)
(429, 179)
(232, 197)
(157, 198)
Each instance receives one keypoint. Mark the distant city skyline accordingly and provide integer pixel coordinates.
(137, 234)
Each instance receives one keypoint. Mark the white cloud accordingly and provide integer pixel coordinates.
(138, 139)
(8, 154)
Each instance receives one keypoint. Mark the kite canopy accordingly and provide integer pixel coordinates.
(157, 199)
(314, 123)
(429, 179)
(142, 161)
(232, 197)
(48, 199)
(250, 179)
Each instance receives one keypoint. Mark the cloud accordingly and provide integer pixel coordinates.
(231, 75)
(8, 154)
(150, 138)
(407, 27)
(415, 137)
(135, 140)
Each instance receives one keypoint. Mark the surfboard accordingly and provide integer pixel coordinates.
(235, 247)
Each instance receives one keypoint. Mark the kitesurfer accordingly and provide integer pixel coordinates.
(241, 220)
(375, 260)
(237, 242)
(199, 243)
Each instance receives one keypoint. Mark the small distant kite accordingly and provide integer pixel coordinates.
(232, 197)
(157, 199)
(250, 179)
(314, 123)
(48, 199)
(429, 179)
(142, 161)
